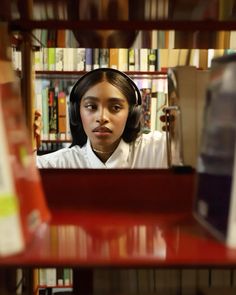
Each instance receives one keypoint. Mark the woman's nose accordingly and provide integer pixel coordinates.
(102, 115)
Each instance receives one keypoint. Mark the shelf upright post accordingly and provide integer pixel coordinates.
(27, 68)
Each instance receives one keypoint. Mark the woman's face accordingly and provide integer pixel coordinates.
(104, 112)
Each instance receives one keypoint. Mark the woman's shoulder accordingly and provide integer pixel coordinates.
(152, 136)
(58, 159)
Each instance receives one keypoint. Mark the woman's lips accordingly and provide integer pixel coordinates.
(102, 130)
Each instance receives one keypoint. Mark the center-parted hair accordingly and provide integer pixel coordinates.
(124, 84)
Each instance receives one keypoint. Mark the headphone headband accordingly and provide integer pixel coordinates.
(138, 98)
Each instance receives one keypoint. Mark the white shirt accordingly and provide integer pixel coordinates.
(147, 151)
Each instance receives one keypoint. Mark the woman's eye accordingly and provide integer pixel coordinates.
(116, 108)
(90, 106)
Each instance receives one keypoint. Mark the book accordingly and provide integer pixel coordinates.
(152, 60)
(45, 113)
(68, 280)
(215, 198)
(45, 58)
(51, 58)
(38, 60)
(59, 59)
(146, 109)
(20, 214)
(62, 114)
(103, 57)
(131, 59)
(11, 232)
(51, 277)
(144, 52)
(52, 113)
(123, 59)
(79, 59)
(95, 58)
(88, 59)
(113, 58)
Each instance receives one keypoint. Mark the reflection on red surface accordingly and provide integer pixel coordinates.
(91, 239)
(107, 242)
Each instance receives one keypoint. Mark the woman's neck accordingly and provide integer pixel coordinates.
(104, 153)
(103, 156)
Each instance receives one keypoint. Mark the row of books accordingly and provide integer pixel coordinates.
(152, 9)
(86, 59)
(123, 59)
(52, 100)
(54, 277)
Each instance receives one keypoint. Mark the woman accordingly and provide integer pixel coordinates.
(105, 126)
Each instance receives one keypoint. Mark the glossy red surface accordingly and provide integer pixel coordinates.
(123, 239)
(98, 220)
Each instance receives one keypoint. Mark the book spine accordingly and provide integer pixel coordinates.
(123, 59)
(144, 59)
(12, 240)
(59, 59)
(113, 58)
(45, 59)
(38, 60)
(95, 58)
(45, 117)
(51, 277)
(88, 59)
(152, 60)
(131, 59)
(103, 57)
(80, 56)
(62, 115)
(51, 59)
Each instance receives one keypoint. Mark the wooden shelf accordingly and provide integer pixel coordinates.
(75, 74)
(177, 25)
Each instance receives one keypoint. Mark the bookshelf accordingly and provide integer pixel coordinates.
(187, 243)
(52, 87)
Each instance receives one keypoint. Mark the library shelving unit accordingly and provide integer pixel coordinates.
(143, 219)
(57, 85)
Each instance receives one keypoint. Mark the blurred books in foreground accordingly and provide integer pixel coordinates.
(22, 205)
(215, 204)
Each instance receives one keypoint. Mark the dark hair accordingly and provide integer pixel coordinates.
(125, 85)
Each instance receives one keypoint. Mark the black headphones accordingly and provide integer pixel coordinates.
(135, 109)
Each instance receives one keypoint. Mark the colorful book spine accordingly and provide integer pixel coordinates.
(103, 57)
(123, 59)
(59, 59)
(88, 59)
(62, 115)
(12, 240)
(113, 58)
(45, 117)
(152, 60)
(79, 59)
(95, 58)
(131, 59)
(51, 58)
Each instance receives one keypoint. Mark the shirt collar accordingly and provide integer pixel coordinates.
(119, 158)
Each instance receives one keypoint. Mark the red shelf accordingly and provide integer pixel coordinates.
(148, 225)
(98, 239)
